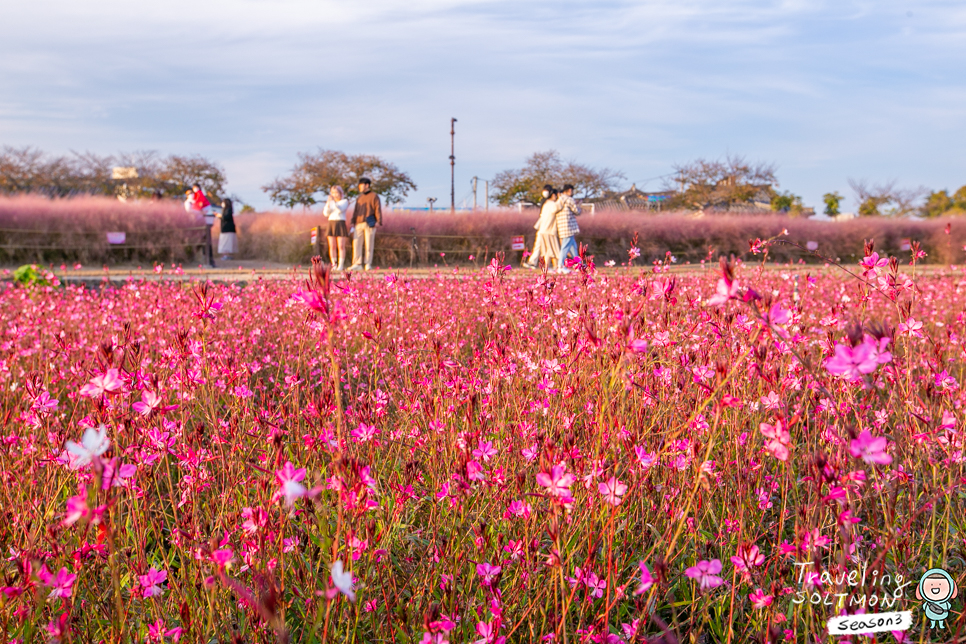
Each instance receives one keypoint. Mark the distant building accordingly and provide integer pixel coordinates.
(632, 199)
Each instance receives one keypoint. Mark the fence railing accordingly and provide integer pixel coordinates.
(18, 243)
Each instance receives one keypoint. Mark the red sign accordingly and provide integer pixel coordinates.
(516, 243)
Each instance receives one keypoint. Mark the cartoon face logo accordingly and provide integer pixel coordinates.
(936, 590)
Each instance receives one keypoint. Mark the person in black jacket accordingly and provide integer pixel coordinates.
(227, 240)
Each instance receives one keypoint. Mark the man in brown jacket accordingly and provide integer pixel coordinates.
(366, 215)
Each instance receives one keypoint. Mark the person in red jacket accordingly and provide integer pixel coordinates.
(201, 204)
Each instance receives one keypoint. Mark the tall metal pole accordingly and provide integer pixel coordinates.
(486, 195)
(452, 165)
(474, 192)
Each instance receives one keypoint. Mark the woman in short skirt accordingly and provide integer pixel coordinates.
(227, 241)
(337, 234)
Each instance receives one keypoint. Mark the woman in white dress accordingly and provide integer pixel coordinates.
(337, 234)
(547, 245)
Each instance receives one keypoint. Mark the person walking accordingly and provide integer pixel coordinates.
(227, 239)
(337, 233)
(366, 215)
(200, 203)
(567, 227)
(547, 244)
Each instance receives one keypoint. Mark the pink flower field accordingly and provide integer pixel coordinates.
(731, 455)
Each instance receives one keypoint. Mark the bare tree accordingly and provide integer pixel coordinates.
(542, 168)
(886, 198)
(703, 183)
(317, 173)
(29, 170)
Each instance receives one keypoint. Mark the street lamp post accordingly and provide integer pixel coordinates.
(452, 165)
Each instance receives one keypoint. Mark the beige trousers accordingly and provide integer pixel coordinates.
(367, 236)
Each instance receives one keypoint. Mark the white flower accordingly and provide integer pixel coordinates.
(94, 443)
(342, 580)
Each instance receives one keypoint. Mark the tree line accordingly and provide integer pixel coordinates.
(732, 182)
(31, 171)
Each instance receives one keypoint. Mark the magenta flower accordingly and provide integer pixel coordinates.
(595, 585)
(706, 574)
(289, 477)
(364, 433)
(557, 481)
(647, 580)
(851, 363)
(872, 263)
(222, 557)
(151, 583)
(77, 507)
(612, 490)
(487, 572)
(747, 557)
(910, 327)
(871, 449)
(777, 439)
(637, 346)
(114, 476)
(726, 290)
(311, 299)
(108, 382)
(759, 599)
(44, 404)
(61, 584)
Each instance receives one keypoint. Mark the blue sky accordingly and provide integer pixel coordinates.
(826, 90)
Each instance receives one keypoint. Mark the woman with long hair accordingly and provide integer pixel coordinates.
(337, 234)
(227, 240)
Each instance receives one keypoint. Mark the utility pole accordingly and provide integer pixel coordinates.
(474, 192)
(486, 195)
(452, 165)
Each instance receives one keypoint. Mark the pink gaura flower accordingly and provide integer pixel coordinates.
(288, 477)
(777, 439)
(109, 382)
(851, 363)
(222, 557)
(149, 403)
(747, 558)
(759, 599)
(487, 572)
(647, 580)
(151, 583)
(612, 491)
(595, 585)
(61, 584)
(557, 481)
(871, 449)
(489, 633)
(725, 290)
(872, 263)
(637, 346)
(44, 404)
(364, 433)
(311, 299)
(910, 327)
(706, 574)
